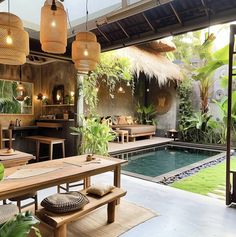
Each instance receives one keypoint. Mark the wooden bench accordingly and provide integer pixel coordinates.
(59, 221)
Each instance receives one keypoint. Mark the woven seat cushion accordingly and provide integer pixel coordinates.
(100, 189)
(65, 202)
(7, 212)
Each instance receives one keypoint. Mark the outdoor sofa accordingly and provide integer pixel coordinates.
(134, 129)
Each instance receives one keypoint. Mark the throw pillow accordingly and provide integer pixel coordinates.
(129, 119)
(65, 202)
(122, 120)
(7, 212)
(100, 189)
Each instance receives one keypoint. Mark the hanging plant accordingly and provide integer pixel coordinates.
(110, 71)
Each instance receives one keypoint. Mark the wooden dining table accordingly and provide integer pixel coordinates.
(33, 177)
(16, 158)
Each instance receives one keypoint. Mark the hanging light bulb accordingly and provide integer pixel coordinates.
(120, 90)
(9, 38)
(14, 40)
(53, 27)
(20, 90)
(85, 49)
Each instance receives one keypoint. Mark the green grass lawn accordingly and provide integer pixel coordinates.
(206, 180)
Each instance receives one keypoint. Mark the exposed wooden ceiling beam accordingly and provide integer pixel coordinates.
(176, 13)
(149, 23)
(205, 7)
(103, 34)
(122, 28)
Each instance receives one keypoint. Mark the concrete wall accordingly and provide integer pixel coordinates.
(117, 103)
(168, 120)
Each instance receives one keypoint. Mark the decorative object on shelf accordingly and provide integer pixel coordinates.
(14, 40)
(40, 96)
(67, 99)
(20, 90)
(72, 97)
(53, 27)
(58, 94)
(85, 49)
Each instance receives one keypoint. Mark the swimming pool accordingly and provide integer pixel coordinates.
(156, 161)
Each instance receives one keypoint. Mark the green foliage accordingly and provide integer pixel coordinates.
(203, 129)
(20, 226)
(146, 114)
(95, 136)
(8, 106)
(206, 180)
(223, 106)
(1, 171)
(184, 91)
(110, 71)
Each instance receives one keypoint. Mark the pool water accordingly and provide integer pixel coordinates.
(160, 160)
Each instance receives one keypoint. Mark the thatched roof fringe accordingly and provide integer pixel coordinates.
(152, 64)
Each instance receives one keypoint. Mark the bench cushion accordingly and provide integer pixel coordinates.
(100, 189)
(7, 212)
(65, 202)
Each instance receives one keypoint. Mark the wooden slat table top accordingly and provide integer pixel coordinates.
(45, 139)
(65, 173)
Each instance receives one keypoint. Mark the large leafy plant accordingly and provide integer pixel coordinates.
(20, 226)
(95, 136)
(146, 114)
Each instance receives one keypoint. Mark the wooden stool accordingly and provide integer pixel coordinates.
(50, 141)
(123, 134)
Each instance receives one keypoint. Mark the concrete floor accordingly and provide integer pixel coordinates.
(182, 214)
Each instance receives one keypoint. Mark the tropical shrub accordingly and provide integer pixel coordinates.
(185, 112)
(20, 226)
(95, 136)
(146, 114)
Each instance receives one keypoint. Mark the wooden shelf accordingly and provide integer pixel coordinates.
(58, 105)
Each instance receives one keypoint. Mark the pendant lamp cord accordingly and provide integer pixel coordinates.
(86, 16)
(8, 9)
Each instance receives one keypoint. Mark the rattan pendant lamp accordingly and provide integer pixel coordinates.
(14, 43)
(53, 27)
(85, 49)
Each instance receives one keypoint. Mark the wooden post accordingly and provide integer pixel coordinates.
(228, 138)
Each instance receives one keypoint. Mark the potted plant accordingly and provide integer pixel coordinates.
(95, 136)
(20, 226)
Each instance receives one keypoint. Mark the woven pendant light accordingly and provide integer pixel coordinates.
(85, 51)
(14, 43)
(53, 27)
